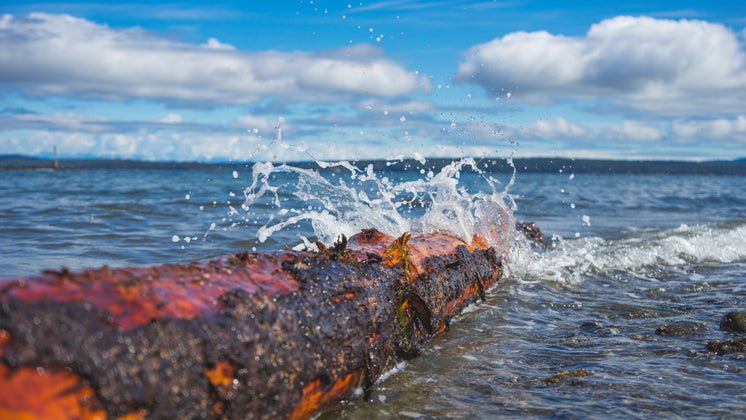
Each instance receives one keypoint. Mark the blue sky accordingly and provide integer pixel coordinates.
(191, 81)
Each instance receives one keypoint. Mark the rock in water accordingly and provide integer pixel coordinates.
(681, 329)
(734, 322)
(729, 346)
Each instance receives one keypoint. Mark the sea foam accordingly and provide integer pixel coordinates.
(643, 253)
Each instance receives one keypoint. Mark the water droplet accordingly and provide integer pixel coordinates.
(175, 238)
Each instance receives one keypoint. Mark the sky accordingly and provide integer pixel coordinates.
(212, 82)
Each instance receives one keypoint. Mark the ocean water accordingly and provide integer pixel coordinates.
(568, 332)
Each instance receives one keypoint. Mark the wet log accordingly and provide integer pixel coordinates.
(252, 335)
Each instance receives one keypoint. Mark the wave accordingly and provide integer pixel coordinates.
(644, 253)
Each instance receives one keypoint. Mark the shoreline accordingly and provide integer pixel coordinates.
(494, 165)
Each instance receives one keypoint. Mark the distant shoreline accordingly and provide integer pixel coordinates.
(499, 165)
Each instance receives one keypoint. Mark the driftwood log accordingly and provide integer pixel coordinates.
(253, 335)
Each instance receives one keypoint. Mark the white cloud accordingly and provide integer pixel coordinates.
(557, 127)
(171, 118)
(196, 146)
(673, 67)
(182, 146)
(49, 54)
(252, 122)
(59, 121)
(397, 107)
(712, 129)
(634, 131)
(214, 44)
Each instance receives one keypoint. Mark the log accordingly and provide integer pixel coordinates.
(253, 335)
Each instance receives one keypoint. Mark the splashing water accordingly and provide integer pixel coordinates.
(341, 198)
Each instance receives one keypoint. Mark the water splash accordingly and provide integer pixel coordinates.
(459, 199)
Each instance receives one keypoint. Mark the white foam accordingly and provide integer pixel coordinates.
(643, 253)
(397, 368)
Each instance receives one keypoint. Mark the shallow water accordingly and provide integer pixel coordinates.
(651, 250)
(569, 332)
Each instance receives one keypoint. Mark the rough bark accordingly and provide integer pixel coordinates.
(253, 335)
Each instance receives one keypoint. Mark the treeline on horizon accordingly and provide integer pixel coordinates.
(523, 165)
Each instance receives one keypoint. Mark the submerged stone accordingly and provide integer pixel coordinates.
(729, 346)
(734, 322)
(681, 329)
(565, 375)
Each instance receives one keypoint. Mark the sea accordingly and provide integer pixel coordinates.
(568, 332)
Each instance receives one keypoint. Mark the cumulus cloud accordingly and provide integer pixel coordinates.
(397, 106)
(49, 54)
(557, 127)
(171, 118)
(634, 130)
(214, 44)
(181, 146)
(59, 121)
(256, 124)
(202, 146)
(674, 67)
(712, 129)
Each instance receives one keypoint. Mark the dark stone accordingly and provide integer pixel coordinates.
(734, 322)
(591, 327)
(565, 375)
(729, 346)
(681, 329)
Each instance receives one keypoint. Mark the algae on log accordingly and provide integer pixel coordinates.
(253, 335)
